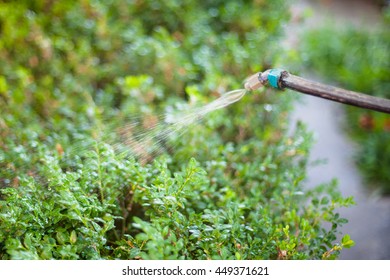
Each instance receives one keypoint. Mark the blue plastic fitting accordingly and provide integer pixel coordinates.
(274, 77)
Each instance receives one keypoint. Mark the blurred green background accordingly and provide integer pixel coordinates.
(359, 60)
(72, 70)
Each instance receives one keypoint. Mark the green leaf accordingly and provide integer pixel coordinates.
(62, 237)
(73, 237)
(347, 242)
(324, 200)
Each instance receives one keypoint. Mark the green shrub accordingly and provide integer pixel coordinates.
(231, 188)
(358, 60)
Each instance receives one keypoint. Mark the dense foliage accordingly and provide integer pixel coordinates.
(359, 60)
(232, 189)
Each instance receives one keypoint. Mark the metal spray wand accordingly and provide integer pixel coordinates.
(281, 79)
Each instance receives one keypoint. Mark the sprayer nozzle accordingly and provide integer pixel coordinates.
(253, 82)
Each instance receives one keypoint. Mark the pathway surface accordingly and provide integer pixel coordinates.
(369, 220)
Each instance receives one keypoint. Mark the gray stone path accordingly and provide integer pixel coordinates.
(369, 220)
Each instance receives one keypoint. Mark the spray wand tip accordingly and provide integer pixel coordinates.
(253, 82)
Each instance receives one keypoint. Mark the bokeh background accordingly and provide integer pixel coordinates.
(346, 43)
(71, 72)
